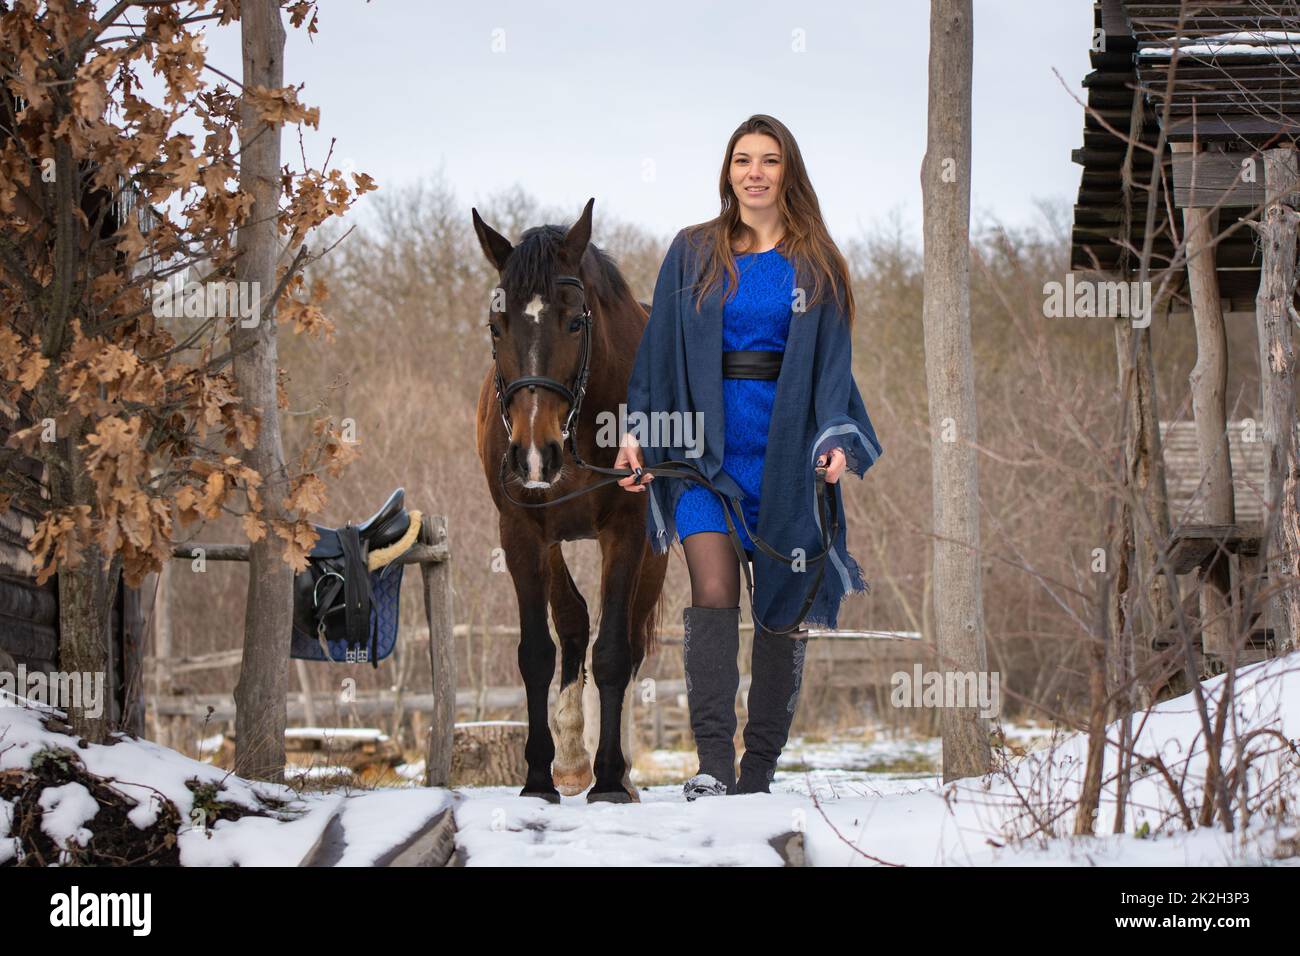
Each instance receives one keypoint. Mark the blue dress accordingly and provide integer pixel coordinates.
(757, 317)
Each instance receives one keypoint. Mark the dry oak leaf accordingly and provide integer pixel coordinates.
(307, 495)
(187, 505)
(241, 428)
(216, 393)
(32, 370)
(241, 472)
(298, 537)
(254, 527)
(281, 105)
(58, 540)
(26, 439)
(215, 493)
(116, 457)
(89, 93)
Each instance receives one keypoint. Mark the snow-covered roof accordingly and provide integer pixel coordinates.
(1274, 43)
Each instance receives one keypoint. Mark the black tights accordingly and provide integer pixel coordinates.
(714, 569)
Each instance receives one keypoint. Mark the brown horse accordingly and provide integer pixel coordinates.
(549, 331)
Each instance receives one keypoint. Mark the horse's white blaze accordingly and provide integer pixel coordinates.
(534, 309)
(533, 457)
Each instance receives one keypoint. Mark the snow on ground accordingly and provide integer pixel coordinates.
(8, 845)
(141, 768)
(64, 810)
(335, 734)
(856, 803)
(497, 827)
(852, 815)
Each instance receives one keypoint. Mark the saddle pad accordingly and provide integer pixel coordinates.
(385, 605)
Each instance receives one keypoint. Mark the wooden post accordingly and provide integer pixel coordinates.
(442, 658)
(1209, 383)
(1274, 312)
(305, 692)
(162, 656)
(133, 644)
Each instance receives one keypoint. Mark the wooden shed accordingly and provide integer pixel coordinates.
(29, 615)
(1201, 102)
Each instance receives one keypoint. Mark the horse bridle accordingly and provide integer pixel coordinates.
(828, 510)
(573, 396)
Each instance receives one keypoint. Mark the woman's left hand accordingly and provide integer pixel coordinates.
(836, 467)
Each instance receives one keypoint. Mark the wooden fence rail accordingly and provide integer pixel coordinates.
(440, 703)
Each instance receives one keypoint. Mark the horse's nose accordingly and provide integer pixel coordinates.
(554, 457)
(515, 459)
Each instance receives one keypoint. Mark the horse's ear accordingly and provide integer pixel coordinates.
(496, 247)
(579, 234)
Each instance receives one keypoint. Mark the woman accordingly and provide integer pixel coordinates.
(750, 332)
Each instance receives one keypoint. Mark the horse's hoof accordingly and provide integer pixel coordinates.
(571, 781)
(611, 796)
(550, 796)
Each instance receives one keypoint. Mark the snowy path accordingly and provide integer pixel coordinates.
(830, 808)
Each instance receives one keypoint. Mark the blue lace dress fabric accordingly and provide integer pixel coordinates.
(757, 317)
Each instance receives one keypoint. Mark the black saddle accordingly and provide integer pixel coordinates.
(332, 598)
(386, 526)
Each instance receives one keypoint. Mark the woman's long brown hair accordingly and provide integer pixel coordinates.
(807, 243)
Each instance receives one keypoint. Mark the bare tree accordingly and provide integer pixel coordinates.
(950, 379)
(268, 614)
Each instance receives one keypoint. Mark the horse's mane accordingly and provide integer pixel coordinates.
(531, 268)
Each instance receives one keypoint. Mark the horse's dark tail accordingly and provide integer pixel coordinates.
(645, 642)
(650, 640)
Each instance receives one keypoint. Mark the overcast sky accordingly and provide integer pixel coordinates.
(633, 103)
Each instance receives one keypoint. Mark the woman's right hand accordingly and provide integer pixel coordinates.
(629, 456)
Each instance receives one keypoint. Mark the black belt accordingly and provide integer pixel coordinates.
(753, 363)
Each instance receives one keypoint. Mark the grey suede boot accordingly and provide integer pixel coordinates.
(776, 677)
(712, 677)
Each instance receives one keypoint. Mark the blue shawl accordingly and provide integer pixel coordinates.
(817, 407)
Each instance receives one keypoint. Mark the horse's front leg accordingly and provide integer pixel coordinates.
(611, 660)
(526, 559)
(571, 770)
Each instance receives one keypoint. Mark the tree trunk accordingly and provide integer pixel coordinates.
(1152, 604)
(945, 189)
(1085, 816)
(260, 714)
(86, 592)
(489, 754)
(1273, 315)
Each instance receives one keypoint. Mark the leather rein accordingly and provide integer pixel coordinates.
(827, 508)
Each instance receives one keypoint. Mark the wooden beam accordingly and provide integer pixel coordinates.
(418, 553)
(1209, 384)
(1210, 179)
(1195, 546)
